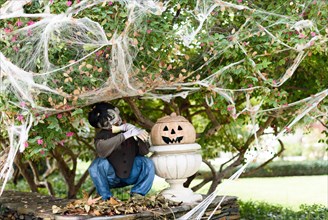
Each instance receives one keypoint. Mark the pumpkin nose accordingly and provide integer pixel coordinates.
(172, 131)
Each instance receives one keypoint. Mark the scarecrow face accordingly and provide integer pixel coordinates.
(109, 118)
(172, 134)
(104, 115)
(113, 117)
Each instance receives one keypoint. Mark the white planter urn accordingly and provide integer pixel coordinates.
(175, 163)
(176, 156)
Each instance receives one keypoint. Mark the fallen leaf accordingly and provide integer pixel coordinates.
(55, 209)
(92, 201)
(87, 208)
(113, 201)
(96, 213)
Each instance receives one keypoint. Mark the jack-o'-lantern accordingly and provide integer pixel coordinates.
(173, 129)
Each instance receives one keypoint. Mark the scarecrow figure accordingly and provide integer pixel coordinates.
(120, 149)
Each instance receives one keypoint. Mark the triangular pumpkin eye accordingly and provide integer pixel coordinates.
(179, 128)
(165, 128)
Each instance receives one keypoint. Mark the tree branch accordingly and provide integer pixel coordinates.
(82, 179)
(191, 178)
(322, 123)
(266, 162)
(175, 107)
(232, 142)
(222, 165)
(212, 168)
(216, 126)
(197, 112)
(37, 180)
(210, 115)
(23, 170)
(145, 122)
(222, 174)
(50, 168)
(259, 132)
(203, 183)
(34, 171)
(63, 167)
(166, 109)
(208, 178)
(72, 156)
(87, 144)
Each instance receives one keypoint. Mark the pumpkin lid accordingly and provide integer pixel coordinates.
(172, 118)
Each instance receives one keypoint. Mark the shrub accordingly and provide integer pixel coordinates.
(282, 168)
(291, 168)
(262, 210)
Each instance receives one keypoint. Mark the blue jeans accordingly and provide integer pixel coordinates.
(104, 178)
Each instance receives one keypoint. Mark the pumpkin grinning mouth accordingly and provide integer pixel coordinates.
(168, 140)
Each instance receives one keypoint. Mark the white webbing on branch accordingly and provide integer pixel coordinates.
(86, 37)
(309, 104)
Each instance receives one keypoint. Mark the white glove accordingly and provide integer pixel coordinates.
(132, 132)
(126, 127)
(143, 135)
(122, 127)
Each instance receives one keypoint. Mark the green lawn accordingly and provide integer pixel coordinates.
(289, 192)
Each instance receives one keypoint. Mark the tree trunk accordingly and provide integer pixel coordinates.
(220, 175)
(68, 174)
(24, 171)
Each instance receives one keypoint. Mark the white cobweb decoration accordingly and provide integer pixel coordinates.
(28, 78)
(75, 34)
(251, 155)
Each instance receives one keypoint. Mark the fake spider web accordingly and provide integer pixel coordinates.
(27, 78)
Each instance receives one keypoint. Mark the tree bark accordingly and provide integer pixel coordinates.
(145, 122)
(68, 175)
(266, 162)
(24, 171)
(37, 180)
(220, 175)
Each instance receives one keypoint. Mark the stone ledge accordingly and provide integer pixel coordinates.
(33, 206)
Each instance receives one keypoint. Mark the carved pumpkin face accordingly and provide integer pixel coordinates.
(172, 134)
(173, 129)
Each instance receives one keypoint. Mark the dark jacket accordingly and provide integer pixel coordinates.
(119, 152)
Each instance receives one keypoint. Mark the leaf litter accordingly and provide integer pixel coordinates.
(89, 206)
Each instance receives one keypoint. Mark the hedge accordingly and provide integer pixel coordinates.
(282, 168)
(291, 168)
(261, 210)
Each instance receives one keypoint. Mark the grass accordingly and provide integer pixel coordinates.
(289, 192)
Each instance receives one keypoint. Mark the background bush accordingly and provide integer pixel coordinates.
(291, 168)
(262, 210)
(282, 168)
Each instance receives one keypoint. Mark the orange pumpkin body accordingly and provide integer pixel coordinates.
(172, 129)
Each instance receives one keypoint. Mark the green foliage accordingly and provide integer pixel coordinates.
(63, 129)
(161, 55)
(291, 168)
(161, 58)
(262, 210)
(325, 140)
(284, 168)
